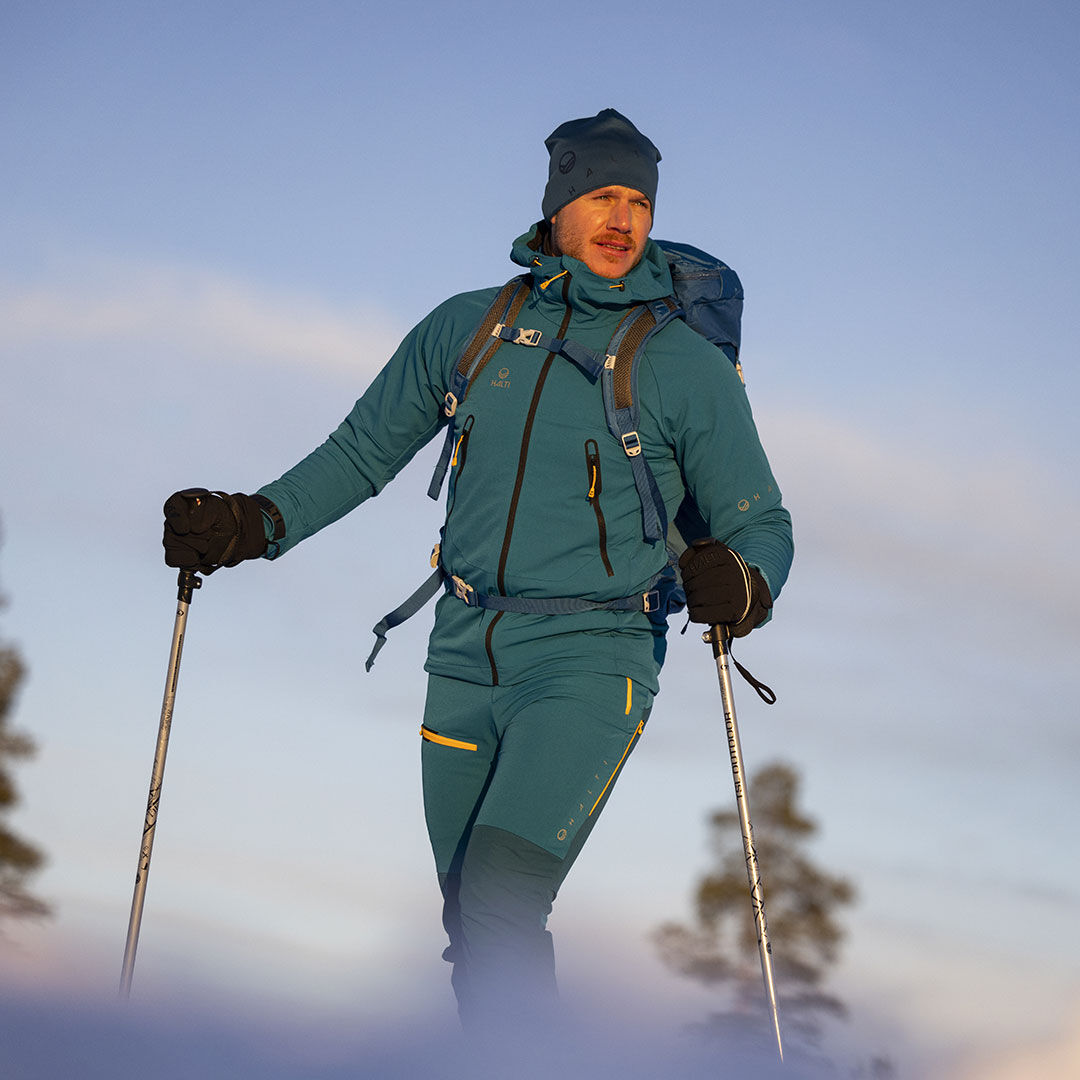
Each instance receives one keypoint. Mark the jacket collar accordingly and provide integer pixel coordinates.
(649, 280)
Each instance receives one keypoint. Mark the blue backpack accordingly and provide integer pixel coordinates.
(708, 296)
(709, 299)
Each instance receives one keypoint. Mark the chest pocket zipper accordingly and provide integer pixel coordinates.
(457, 462)
(592, 465)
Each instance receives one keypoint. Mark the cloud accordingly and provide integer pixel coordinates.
(985, 528)
(91, 299)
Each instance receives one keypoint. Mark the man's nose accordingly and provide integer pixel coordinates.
(619, 219)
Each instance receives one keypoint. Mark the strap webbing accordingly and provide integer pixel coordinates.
(505, 308)
(404, 611)
(653, 598)
(619, 385)
(592, 363)
(649, 600)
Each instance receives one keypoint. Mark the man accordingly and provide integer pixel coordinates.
(531, 715)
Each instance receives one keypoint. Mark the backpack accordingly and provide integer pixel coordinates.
(708, 296)
(711, 297)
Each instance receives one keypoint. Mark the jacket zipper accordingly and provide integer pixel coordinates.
(592, 466)
(519, 479)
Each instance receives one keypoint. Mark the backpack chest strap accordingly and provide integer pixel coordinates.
(590, 361)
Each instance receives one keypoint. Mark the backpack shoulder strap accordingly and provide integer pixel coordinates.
(503, 309)
(619, 384)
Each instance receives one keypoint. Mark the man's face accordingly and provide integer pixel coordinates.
(606, 229)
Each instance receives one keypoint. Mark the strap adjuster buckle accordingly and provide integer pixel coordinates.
(463, 590)
(631, 444)
(526, 337)
(651, 600)
(450, 403)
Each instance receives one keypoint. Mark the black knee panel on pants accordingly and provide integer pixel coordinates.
(496, 914)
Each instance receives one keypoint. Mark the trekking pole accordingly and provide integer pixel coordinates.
(187, 582)
(720, 638)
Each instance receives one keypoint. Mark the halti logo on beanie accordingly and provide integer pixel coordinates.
(567, 162)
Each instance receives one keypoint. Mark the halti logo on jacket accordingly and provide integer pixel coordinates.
(503, 378)
(744, 504)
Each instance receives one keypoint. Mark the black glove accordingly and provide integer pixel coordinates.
(721, 589)
(207, 529)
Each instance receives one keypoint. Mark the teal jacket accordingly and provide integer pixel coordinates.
(540, 497)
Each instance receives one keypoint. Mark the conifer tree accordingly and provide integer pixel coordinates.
(18, 859)
(719, 948)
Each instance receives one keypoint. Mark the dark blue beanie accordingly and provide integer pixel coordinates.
(594, 152)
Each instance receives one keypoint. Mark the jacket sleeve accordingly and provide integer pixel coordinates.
(707, 419)
(399, 413)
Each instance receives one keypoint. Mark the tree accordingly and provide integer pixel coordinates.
(18, 859)
(801, 901)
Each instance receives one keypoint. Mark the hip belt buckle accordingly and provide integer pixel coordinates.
(463, 590)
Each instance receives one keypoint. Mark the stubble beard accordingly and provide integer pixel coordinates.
(581, 247)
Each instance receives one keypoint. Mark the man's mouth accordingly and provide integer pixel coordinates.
(616, 245)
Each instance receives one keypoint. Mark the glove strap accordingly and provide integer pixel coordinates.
(234, 509)
(274, 514)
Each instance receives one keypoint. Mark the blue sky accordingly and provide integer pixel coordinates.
(218, 221)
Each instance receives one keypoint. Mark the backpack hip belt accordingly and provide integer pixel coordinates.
(652, 599)
(658, 590)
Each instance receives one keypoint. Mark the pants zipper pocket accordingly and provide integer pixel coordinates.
(428, 735)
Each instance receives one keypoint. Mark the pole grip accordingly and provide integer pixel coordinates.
(187, 581)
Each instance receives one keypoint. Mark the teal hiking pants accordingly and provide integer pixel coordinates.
(514, 780)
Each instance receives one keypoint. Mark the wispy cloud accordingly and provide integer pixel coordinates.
(987, 528)
(97, 299)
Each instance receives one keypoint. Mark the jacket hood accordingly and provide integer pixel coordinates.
(649, 280)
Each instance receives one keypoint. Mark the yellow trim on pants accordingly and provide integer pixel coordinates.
(443, 740)
(637, 732)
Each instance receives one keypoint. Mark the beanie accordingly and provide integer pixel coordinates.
(594, 152)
